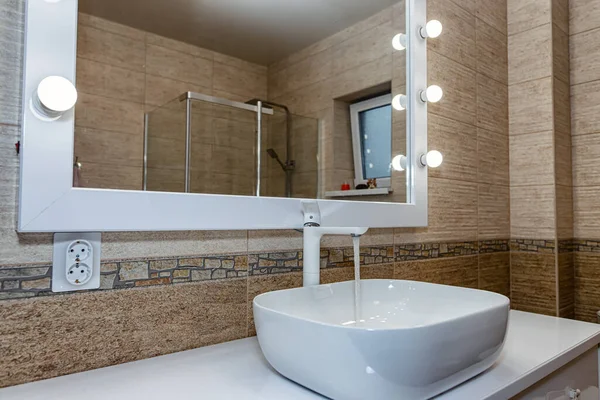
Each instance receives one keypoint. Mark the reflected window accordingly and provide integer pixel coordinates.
(372, 139)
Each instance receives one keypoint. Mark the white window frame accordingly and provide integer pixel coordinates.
(355, 110)
(49, 203)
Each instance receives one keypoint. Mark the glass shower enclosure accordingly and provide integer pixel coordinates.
(204, 144)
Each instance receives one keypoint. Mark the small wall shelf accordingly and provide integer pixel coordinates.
(362, 192)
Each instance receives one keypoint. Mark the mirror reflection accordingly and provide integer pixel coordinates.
(280, 99)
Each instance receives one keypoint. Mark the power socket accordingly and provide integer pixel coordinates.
(76, 262)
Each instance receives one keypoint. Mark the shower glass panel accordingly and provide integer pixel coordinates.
(223, 148)
(203, 144)
(164, 156)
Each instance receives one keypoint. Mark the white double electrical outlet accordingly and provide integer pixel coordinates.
(76, 262)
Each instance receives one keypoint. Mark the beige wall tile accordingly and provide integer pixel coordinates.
(177, 65)
(492, 53)
(233, 80)
(525, 15)
(563, 167)
(493, 212)
(93, 145)
(111, 176)
(494, 13)
(585, 108)
(369, 46)
(560, 55)
(11, 42)
(562, 107)
(560, 14)
(494, 272)
(460, 89)
(586, 214)
(109, 26)
(109, 48)
(585, 56)
(457, 271)
(458, 142)
(309, 71)
(366, 76)
(156, 40)
(151, 321)
(458, 40)
(533, 282)
(583, 15)
(532, 159)
(493, 157)
(452, 213)
(530, 55)
(564, 212)
(586, 169)
(167, 180)
(161, 90)
(532, 212)
(492, 107)
(109, 114)
(528, 115)
(108, 81)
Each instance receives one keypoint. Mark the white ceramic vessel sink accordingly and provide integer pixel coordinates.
(413, 340)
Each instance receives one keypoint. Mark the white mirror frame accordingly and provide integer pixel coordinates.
(49, 203)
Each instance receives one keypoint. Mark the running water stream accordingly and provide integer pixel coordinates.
(357, 313)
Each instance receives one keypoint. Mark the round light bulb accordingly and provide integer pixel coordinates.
(433, 28)
(54, 96)
(399, 102)
(399, 162)
(432, 159)
(433, 94)
(399, 41)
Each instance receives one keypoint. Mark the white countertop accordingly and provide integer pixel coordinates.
(536, 346)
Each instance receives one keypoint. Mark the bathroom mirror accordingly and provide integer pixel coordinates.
(223, 115)
(238, 97)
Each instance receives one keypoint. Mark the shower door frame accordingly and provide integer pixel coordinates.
(189, 98)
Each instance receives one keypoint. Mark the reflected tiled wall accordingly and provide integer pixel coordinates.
(466, 243)
(585, 113)
(123, 72)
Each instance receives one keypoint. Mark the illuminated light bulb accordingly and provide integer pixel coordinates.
(399, 102)
(399, 41)
(399, 162)
(54, 96)
(432, 30)
(433, 94)
(432, 159)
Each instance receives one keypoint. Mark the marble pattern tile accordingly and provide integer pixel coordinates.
(585, 108)
(126, 325)
(583, 15)
(494, 13)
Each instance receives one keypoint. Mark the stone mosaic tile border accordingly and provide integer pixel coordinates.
(533, 246)
(292, 261)
(18, 282)
(586, 246)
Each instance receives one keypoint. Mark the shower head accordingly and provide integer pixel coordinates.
(273, 154)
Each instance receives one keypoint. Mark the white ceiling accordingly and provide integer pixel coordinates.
(260, 31)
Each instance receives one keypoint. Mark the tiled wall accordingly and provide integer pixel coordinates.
(124, 72)
(540, 157)
(171, 291)
(585, 113)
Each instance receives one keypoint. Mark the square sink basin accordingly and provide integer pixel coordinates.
(397, 340)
